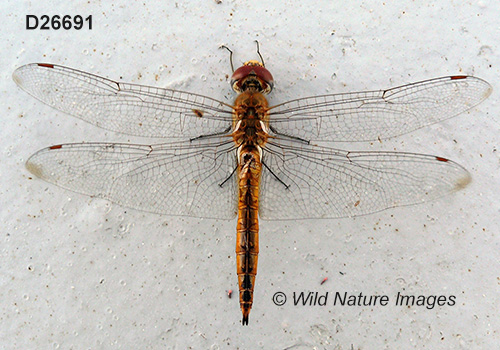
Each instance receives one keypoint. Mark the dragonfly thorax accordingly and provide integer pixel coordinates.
(251, 119)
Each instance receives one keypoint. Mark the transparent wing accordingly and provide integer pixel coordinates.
(306, 181)
(126, 108)
(372, 115)
(179, 178)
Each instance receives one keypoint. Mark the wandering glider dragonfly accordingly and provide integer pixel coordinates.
(248, 159)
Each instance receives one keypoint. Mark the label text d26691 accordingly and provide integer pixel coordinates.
(56, 22)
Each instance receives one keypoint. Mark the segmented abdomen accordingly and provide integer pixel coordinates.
(247, 238)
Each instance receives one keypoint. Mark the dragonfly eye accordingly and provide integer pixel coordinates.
(252, 75)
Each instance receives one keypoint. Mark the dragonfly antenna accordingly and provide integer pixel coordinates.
(258, 52)
(230, 55)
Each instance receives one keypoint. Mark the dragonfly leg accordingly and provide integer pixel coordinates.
(230, 176)
(289, 136)
(222, 133)
(276, 176)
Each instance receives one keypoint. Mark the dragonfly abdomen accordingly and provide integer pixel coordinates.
(247, 237)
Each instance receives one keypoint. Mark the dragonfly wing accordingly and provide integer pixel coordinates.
(372, 115)
(178, 178)
(126, 108)
(305, 181)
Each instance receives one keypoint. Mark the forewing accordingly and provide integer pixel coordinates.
(181, 178)
(126, 108)
(372, 115)
(305, 181)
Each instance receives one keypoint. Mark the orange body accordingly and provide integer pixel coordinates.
(250, 125)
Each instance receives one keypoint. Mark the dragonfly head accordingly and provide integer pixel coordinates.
(252, 75)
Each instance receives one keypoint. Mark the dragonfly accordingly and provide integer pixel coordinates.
(249, 159)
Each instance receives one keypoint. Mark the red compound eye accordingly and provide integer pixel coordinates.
(261, 73)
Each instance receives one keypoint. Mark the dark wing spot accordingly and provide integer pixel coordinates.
(198, 113)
